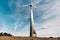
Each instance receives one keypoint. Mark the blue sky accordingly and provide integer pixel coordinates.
(14, 17)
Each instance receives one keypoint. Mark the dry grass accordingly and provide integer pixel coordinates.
(25, 38)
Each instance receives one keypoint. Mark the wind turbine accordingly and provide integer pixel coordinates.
(32, 31)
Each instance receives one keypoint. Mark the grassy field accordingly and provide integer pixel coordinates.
(25, 38)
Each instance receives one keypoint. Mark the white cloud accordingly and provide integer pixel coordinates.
(52, 25)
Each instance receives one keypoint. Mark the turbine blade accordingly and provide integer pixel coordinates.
(25, 5)
(34, 6)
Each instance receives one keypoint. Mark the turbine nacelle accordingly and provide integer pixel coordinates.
(31, 5)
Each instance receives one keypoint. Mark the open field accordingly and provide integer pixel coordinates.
(25, 38)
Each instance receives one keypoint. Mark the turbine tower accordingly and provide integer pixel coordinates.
(32, 31)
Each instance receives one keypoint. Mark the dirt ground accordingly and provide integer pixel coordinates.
(26, 38)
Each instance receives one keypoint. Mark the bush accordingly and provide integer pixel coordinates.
(51, 37)
(1, 34)
(5, 34)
